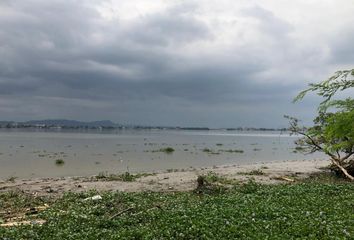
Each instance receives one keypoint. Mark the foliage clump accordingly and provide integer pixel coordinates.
(333, 129)
(232, 150)
(256, 172)
(209, 151)
(59, 162)
(124, 177)
(167, 150)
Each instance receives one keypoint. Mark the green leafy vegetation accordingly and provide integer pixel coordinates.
(210, 151)
(169, 170)
(326, 177)
(124, 177)
(257, 172)
(207, 150)
(333, 129)
(232, 150)
(11, 179)
(167, 150)
(59, 162)
(249, 211)
(212, 177)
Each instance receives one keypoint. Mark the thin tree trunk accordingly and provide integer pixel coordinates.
(335, 162)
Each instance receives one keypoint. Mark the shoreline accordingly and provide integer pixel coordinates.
(177, 180)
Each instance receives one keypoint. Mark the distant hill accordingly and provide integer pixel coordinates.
(71, 123)
(4, 123)
(107, 124)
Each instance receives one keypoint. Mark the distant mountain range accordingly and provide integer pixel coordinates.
(72, 123)
(62, 123)
(107, 124)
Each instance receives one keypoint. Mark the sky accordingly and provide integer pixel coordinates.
(212, 63)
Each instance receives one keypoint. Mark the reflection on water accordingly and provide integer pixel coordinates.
(34, 153)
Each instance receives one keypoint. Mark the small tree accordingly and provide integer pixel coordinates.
(333, 129)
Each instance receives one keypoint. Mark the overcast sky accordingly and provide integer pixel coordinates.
(221, 63)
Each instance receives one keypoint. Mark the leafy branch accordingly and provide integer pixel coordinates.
(340, 81)
(332, 132)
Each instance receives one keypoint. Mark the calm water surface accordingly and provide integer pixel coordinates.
(31, 153)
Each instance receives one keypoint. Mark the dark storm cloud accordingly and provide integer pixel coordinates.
(21, 86)
(63, 59)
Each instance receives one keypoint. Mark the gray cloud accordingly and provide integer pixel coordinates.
(168, 28)
(340, 46)
(168, 67)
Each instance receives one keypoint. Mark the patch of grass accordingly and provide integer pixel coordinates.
(209, 151)
(212, 183)
(251, 211)
(127, 177)
(257, 172)
(170, 170)
(298, 148)
(251, 187)
(208, 184)
(167, 150)
(325, 177)
(213, 177)
(59, 162)
(124, 177)
(232, 150)
(11, 179)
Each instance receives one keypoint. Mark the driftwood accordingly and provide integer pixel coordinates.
(32, 222)
(121, 212)
(17, 219)
(284, 179)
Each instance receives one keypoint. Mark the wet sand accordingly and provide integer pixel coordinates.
(178, 180)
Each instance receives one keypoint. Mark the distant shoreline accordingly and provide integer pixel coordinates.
(109, 125)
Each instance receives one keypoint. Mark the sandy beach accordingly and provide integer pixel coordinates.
(178, 180)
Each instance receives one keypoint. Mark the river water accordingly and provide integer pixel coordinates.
(33, 153)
